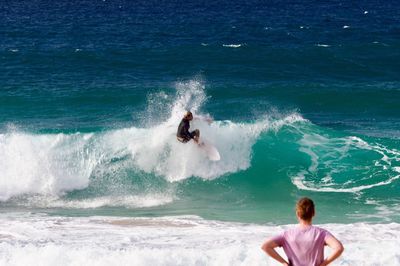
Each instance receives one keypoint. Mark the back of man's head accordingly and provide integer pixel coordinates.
(305, 209)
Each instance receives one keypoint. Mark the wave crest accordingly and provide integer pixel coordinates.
(110, 162)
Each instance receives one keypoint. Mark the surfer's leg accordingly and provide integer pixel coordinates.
(183, 140)
(196, 135)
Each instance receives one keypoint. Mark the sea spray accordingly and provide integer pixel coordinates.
(44, 164)
(91, 90)
(113, 162)
(143, 167)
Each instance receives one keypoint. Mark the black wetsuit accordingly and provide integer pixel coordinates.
(183, 133)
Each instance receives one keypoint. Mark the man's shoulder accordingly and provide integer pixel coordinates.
(319, 229)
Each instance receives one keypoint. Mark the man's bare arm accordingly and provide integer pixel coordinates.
(269, 248)
(337, 247)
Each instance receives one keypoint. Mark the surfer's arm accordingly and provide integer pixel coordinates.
(183, 130)
(269, 248)
(337, 247)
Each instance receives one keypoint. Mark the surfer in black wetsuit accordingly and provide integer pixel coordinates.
(183, 134)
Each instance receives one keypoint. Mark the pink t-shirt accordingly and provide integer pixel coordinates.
(304, 246)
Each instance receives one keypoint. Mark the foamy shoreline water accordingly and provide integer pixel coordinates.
(183, 240)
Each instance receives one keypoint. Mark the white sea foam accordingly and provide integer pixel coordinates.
(127, 201)
(52, 164)
(381, 43)
(333, 157)
(387, 211)
(45, 164)
(155, 150)
(323, 45)
(233, 45)
(172, 241)
(301, 183)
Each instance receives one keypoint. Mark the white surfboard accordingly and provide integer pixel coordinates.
(211, 152)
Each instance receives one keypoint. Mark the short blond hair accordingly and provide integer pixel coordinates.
(187, 114)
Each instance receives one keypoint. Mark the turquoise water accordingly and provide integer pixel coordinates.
(304, 98)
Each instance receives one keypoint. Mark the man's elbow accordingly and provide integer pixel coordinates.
(340, 248)
(267, 245)
(264, 247)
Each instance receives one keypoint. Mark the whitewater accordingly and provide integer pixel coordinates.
(110, 164)
(185, 240)
(301, 99)
(55, 164)
(66, 182)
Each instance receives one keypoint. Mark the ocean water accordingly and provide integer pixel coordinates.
(304, 98)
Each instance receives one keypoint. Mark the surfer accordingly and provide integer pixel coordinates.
(304, 244)
(183, 134)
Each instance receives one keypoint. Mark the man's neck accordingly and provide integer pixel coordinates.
(304, 223)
